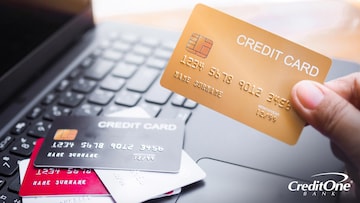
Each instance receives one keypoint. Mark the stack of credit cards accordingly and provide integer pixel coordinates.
(99, 159)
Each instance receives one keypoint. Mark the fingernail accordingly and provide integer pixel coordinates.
(309, 94)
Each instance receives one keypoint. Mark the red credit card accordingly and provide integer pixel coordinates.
(55, 181)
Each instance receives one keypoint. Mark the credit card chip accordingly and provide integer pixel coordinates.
(65, 134)
(199, 45)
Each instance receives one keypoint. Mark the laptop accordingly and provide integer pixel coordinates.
(56, 62)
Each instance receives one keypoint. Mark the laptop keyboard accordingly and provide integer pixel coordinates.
(121, 72)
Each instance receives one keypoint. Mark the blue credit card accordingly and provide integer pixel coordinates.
(144, 144)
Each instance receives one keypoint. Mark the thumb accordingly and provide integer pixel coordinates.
(329, 113)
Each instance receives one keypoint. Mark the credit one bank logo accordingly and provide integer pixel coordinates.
(324, 184)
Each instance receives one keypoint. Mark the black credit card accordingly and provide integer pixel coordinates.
(144, 144)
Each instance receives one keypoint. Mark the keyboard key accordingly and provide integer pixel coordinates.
(127, 98)
(20, 127)
(8, 164)
(156, 62)
(178, 100)
(190, 104)
(101, 97)
(9, 197)
(35, 113)
(148, 41)
(112, 55)
(169, 45)
(183, 114)
(158, 94)
(84, 85)
(99, 69)
(23, 146)
(88, 110)
(124, 70)
(142, 79)
(5, 142)
(55, 111)
(151, 109)
(14, 185)
(113, 109)
(163, 53)
(121, 46)
(112, 83)
(71, 99)
(142, 50)
(64, 84)
(49, 99)
(134, 59)
(95, 54)
(2, 182)
(86, 63)
(104, 43)
(74, 73)
(130, 38)
(39, 129)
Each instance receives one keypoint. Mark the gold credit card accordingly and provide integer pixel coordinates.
(242, 71)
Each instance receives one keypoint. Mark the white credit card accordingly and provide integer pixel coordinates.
(139, 186)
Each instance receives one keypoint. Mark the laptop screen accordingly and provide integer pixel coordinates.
(27, 25)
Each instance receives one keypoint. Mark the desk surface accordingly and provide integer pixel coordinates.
(330, 27)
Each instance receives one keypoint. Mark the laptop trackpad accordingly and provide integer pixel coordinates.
(226, 182)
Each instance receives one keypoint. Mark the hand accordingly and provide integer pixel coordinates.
(334, 110)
